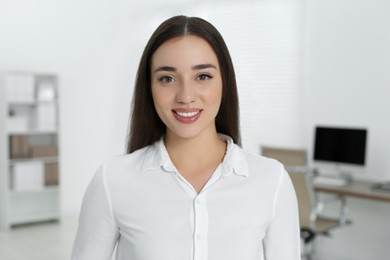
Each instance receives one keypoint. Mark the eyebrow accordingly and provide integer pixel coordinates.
(203, 66)
(165, 68)
(195, 67)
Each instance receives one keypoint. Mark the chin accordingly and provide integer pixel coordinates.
(186, 134)
(190, 132)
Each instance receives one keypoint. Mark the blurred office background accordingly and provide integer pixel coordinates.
(328, 63)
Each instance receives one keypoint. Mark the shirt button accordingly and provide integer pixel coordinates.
(197, 201)
(198, 236)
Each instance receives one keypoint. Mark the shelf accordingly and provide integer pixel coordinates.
(35, 218)
(33, 132)
(34, 206)
(49, 189)
(29, 164)
(32, 102)
(53, 159)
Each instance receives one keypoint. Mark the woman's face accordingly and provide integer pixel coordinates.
(186, 86)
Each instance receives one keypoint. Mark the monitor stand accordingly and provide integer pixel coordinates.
(334, 176)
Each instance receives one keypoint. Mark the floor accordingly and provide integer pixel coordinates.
(48, 241)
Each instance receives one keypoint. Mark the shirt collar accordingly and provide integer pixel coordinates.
(157, 156)
(234, 162)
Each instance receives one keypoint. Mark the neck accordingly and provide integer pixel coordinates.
(198, 150)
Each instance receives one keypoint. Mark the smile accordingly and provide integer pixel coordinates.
(187, 114)
(187, 117)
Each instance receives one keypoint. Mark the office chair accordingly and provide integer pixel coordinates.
(312, 223)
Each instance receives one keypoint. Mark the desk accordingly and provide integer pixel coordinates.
(356, 188)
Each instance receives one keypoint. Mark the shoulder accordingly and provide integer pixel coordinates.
(269, 174)
(264, 169)
(256, 161)
(127, 163)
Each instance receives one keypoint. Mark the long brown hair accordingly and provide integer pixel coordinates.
(146, 127)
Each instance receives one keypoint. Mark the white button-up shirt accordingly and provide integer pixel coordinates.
(246, 211)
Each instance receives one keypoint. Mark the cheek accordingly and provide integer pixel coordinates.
(161, 99)
(156, 95)
(214, 96)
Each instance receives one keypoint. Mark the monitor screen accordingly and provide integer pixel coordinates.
(340, 145)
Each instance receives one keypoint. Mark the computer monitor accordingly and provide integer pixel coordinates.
(340, 145)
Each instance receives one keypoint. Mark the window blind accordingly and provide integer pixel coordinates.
(265, 39)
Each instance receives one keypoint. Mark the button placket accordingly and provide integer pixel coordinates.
(200, 227)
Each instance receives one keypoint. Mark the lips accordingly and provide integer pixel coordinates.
(187, 116)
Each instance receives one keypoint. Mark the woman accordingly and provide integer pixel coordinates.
(186, 190)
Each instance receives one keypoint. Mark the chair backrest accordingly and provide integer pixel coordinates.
(287, 156)
(291, 158)
(305, 197)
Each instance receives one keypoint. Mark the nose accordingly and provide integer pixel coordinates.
(186, 93)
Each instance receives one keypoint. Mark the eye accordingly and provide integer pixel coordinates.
(204, 76)
(166, 79)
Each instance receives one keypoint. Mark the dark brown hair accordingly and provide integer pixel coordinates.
(146, 127)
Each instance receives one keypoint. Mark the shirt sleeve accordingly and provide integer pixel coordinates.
(282, 240)
(97, 233)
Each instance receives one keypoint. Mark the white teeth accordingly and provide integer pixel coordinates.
(187, 114)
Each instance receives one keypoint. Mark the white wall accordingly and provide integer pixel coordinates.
(347, 68)
(347, 73)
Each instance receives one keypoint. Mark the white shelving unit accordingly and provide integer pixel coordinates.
(29, 144)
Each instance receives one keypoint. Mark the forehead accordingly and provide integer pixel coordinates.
(186, 50)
